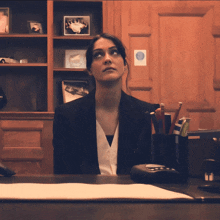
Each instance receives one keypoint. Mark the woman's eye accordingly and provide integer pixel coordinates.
(97, 55)
(114, 52)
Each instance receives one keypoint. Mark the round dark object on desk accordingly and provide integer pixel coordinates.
(154, 173)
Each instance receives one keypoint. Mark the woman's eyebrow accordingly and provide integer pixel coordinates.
(100, 49)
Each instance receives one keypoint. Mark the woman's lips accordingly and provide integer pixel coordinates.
(108, 68)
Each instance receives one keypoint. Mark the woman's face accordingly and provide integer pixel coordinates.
(107, 64)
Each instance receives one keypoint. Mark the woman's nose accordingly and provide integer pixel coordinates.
(107, 58)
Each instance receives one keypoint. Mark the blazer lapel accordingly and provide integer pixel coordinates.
(88, 136)
(131, 124)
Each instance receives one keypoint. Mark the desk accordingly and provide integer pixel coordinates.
(206, 206)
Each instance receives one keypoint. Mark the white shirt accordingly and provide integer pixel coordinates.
(107, 155)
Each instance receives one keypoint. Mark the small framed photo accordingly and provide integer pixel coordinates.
(75, 59)
(76, 25)
(74, 89)
(4, 20)
(35, 27)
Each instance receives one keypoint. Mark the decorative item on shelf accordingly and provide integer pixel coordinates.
(7, 60)
(35, 27)
(75, 58)
(24, 61)
(76, 25)
(4, 20)
(74, 89)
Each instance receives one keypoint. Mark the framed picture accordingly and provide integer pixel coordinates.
(74, 89)
(4, 20)
(76, 25)
(75, 58)
(35, 27)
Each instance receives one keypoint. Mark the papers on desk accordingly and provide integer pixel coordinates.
(82, 191)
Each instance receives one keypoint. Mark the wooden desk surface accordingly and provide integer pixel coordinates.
(206, 206)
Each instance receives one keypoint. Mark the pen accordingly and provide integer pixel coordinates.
(155, 122)
(175, 118)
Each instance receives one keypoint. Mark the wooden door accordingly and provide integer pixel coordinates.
(182, 44)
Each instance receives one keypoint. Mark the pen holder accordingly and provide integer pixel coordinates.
(171, 151)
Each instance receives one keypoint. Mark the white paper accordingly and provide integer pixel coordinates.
(82, 191)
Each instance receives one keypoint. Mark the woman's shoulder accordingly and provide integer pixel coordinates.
(142, 105)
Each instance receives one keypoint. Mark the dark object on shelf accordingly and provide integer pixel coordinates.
(3, 99)
(5, 171)
(35, 27)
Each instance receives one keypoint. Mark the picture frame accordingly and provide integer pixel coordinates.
(75, 59)
(35, 27)
(76, 25)
(74, 89)
(4, 20)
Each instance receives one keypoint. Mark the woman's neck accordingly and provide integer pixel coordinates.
(108, 97)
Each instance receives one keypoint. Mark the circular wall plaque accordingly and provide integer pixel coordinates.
(140, 55)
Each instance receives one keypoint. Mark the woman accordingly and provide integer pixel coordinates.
(107, 131)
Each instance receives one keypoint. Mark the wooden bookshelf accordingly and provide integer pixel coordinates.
(33, 89)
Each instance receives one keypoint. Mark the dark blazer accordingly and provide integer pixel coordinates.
(74, 135)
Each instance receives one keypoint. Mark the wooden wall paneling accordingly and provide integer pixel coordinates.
(181, 56)
(112, 24)
(108, 17)
(136, 34)
(26, 147)
(216, 80)
(186, 56)
(112, 17)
